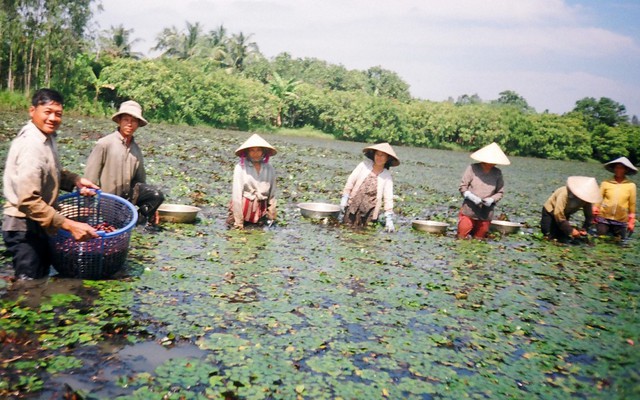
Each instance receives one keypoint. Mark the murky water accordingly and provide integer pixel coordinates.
(110, 362)
(321, 311)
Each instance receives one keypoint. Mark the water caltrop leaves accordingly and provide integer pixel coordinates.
(314, 310)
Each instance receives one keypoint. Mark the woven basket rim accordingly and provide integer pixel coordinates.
(100, 193)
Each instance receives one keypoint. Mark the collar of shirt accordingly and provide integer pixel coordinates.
(615, 182)
(126, 141)
(39, 134)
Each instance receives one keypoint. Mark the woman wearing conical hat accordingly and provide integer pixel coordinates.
(616, 214)
(482, 186)
(253, 195)
(580, 193)
(369, 188)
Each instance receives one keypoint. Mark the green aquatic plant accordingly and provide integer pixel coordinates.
(316, 310)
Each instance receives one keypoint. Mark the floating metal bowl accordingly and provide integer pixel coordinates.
(505, 227)
(319, 210)
(178, 213)
(430, 226)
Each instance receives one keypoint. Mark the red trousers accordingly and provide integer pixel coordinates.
(475, 227)
(253, 210)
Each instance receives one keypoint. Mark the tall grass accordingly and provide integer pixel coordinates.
(306, 131)
(13, 100)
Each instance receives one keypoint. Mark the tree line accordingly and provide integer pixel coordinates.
(221, 79)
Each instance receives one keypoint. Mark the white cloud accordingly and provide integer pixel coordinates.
(441, 48)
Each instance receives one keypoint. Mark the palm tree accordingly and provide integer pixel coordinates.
(284, 90)
(193, 39)
(179, 44)
(214, 44)
(239, 51)
(219, 36)
(117, 43)
(169, 40)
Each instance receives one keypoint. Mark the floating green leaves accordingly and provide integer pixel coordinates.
(315, 310)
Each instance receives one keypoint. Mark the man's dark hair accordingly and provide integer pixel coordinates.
(44, 96)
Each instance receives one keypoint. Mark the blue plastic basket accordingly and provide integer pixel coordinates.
(97, 258)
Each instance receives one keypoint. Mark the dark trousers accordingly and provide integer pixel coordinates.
(148, 198)
(30, 251)
(550, 227)
(619, 231)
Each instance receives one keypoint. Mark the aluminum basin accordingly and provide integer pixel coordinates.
(505, 227)
(430, 226)
(178, 213)
(319, 210)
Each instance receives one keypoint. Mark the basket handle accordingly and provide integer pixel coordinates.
(98, 192)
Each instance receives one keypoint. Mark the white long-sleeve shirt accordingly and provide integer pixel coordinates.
(385, 186)
(248, 183)
(33, 178)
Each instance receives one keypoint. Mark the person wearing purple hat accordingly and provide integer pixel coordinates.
(253, 192)
(616, 214)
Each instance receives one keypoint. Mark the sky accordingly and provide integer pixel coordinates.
(551, 52)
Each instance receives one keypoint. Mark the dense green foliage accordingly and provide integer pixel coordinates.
(222, 80)
(39, 40)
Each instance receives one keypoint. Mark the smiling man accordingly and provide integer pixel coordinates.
(32, 181)
(117, 165)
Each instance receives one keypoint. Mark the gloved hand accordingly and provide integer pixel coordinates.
(631, 224)
(343, 202)
(472, 197)
(488, 201)
(389, 222)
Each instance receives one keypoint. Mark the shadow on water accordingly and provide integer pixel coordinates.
(105, 371)
(35, 292)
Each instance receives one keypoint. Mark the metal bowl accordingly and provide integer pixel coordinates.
(319, 210)
(430, 226)
(505, 227)
(178, 213)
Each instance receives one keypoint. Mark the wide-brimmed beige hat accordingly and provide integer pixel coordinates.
(631, 169)
(132, 108)
(256, 141)
(385, 148)
(585, 188)
(491, 154)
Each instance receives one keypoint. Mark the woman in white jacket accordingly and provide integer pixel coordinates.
(370, 188)
(253, 195)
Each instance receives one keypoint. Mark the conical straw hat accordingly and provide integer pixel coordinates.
(491, 154)
(256, 141)
(631, 169)
(385, 148)
(585, 188)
